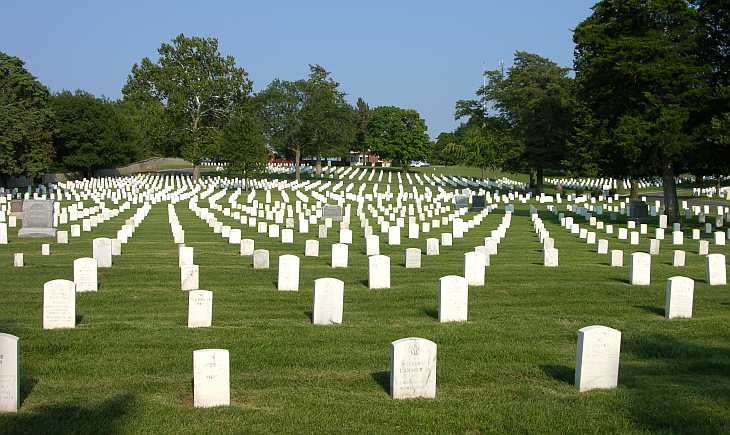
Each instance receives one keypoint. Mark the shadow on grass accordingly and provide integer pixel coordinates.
(383, 379)
(309, 314)
(26, 387)
(559, 373)
(692, 380)
(70, 418)
(431, 312)
(651, 309)
(621, 280)
(79, 319)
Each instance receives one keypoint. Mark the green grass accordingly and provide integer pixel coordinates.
(127, 366)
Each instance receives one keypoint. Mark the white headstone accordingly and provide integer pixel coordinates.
(550, 257)
(102, 252)
(59, 304)
(413, 368)
(339, 255)
(328, 300)
(432, 246)
(85, 275)
(716, 270)
(378, 272)
(678, 258)
(640, 269)
(261, 259)
(200, 309)
(211, 378)
(288, 273)
(9, 373)
(474, 268)
(247, 247)
(679, 295)
(311, 248)
(413, 258)
(453, 299)
(617, 258)
(189, 277)
(597, 358)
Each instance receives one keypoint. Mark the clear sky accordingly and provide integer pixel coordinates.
(417, 54)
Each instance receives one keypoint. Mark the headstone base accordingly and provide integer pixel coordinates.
(25, 233)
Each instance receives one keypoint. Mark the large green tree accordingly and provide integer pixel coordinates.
(534, 101)
(199, 88)
(25, 121)
(90, 134)
(308, 117)
(243, 146)
(710, 115)
(639, 74)
(397, 134)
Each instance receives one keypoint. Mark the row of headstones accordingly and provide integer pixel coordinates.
(633, 236)
(640, 263)
(413, 368)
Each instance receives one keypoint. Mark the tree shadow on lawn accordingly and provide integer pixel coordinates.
(70, 418)
(667, 385)
(676, 386)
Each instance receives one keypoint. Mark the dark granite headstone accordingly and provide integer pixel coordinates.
(638, 210)
(478, 202)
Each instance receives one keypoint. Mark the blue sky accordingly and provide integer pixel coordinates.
(417, 54)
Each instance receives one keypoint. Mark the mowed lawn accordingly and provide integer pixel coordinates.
(127, 367)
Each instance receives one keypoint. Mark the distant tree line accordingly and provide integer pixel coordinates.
(196, 103)
(650, 96)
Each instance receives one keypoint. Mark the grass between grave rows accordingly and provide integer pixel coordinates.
(127, 367)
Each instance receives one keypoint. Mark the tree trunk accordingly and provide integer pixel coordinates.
(633, 189)
(532, 179)
(196, 172)
(318, 167)
(540, 180)
(482, 173)
(718, 185)
(297, 165)
(670, 193)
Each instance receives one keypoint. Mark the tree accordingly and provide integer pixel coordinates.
(363, 118)
(198, 87)
(397, 134)
(639, 75)
(308, 117)
(150, 129)
(534, 100)
(711, 155)
(90, 134)
(26, 123)
(478, 146)
(243, 146)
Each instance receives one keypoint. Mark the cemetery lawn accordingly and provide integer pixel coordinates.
(127, 367)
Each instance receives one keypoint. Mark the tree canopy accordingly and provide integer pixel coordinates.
(638, 73)
(26, 123)
(198, 87)
(308, 117)
(397, 134)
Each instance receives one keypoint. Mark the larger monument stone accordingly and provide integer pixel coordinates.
(333, 212)
(37, 219)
